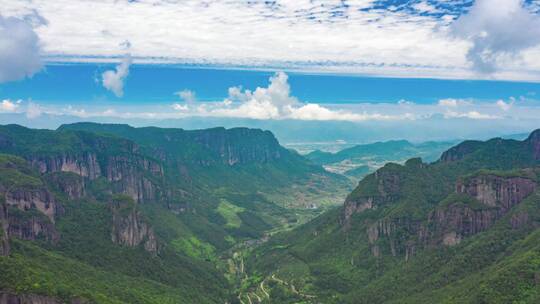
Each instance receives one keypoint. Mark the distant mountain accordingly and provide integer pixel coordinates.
(353, 161)
(116, 214)
(464, 229)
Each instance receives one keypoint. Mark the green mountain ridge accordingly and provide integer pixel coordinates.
(102, 213)
(461, 230)
(143, 207)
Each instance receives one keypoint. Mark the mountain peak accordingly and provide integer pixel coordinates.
(534, 141)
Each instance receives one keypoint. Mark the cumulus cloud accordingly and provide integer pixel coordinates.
(187, 96)
(505, 106)
(8, 106)
(113, 80)
(452, 102)
(497, 28)
(19, 48)
(275, 102)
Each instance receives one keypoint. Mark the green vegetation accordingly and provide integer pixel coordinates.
(381, 255)
(236, 218)
(195, 248)
(178, 183)
(230, 214)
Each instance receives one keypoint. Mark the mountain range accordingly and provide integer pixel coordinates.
(463, 229)
(112, 213)
(108, 213)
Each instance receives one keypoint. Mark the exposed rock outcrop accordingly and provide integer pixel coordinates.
(30, 214)
(493, 196)
(39, 199)
(478, 202)
(239, 145)
(392, 231)
(72, 185)
(129, 229)
(384, 187)
(4, 226)
(131, 176)
(8, 298)
(11, 298)
(497, 191)
(32, 227)
(84, 164)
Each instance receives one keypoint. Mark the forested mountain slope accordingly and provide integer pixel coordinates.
(115, 214)
(465, 229)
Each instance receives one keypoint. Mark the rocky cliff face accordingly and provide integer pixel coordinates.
(130, 230)
(39, 199)
(385, 187)
(70, 184)
(497, 191)
(7, 298)
(478, 202)
(84, 164)
(10, 298)
(495, 195)
(29, 214)
(239, 145)
(31, 227)
(4, 226)
(131, 176)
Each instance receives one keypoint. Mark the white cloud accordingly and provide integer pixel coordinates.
(7, 106)
(113, 80)
(452, 102)
(180, 107)
(19, 49)
(33, 110)
(303, 35)
(470, 115)
(425, 7)
(499, 30)
(187, 96)
(276, 102)
(505, 106)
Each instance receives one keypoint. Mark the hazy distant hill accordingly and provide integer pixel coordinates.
(359, 160)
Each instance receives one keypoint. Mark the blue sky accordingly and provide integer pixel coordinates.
(426, 66)
(79, 84)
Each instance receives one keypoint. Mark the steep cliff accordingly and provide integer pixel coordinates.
(88, 155)
(4, 226)
(29, 209)
(83, 164)
(239, 145)
(128, 227)
(204, 147)
(480, 200)
(71, 184)
(8, 298)
(380, 188)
